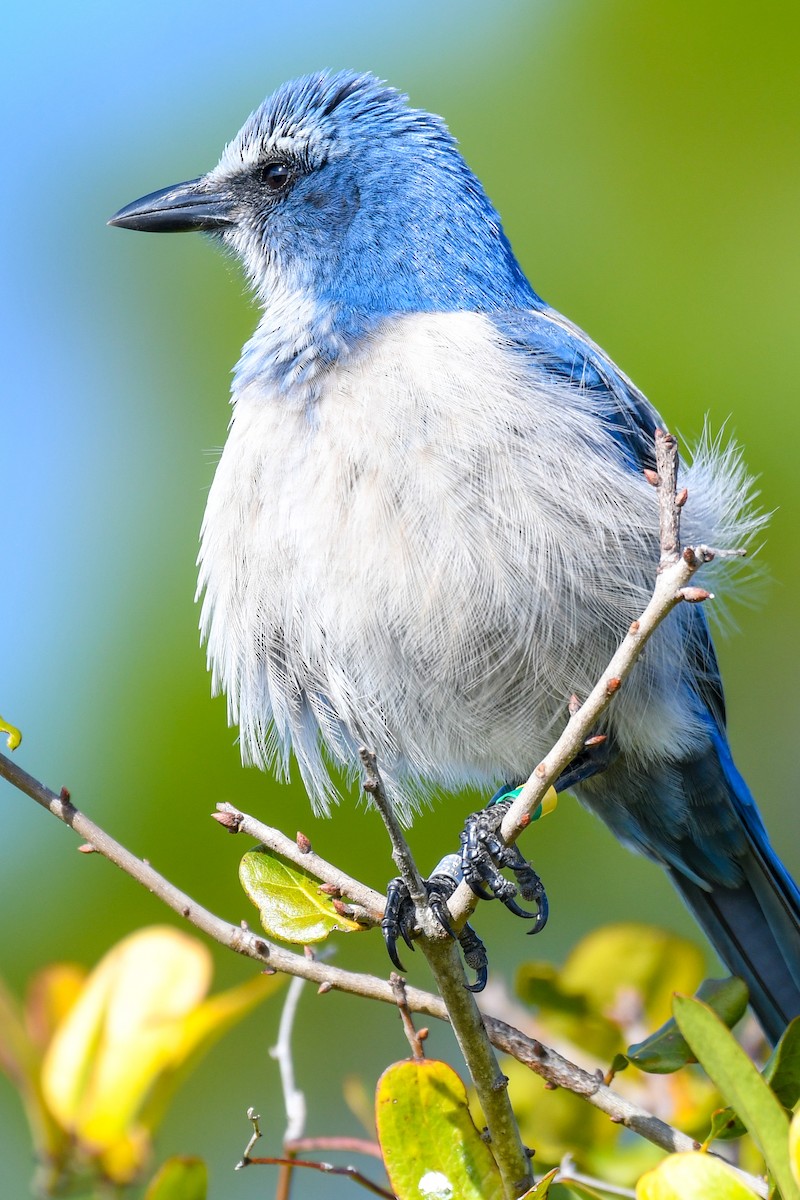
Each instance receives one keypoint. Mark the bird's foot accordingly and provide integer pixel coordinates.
(483, 855)
(399, 920)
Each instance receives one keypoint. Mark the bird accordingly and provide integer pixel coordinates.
(431, 523)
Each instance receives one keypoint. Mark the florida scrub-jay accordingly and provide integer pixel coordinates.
(430, 526)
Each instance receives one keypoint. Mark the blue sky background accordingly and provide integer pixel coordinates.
(644, 159)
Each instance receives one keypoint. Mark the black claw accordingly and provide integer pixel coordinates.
(391, 950)
(480, 891)
(441, 914)
(398, 919)
(479, 862)
(513, 907)
(407, 938)
(474, 953)
(480, 981)
(542, 915)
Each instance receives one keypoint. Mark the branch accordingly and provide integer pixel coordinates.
(401, 851)
(288, 1164)
(293, 1099)
(547, 1063)
(444, 960)
(414, 1038)
(368, 904)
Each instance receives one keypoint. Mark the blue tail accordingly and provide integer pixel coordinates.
(755, 925)
(755, 930)
(697, 818)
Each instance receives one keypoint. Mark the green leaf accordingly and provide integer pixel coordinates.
(179, 1179)
(431, 1148)
(734, 1074)
(782, 1071)
(692, 1176)
(290, 904)
(725, 1125)
(667, 1050)
(541, 1190)
(581, 1190)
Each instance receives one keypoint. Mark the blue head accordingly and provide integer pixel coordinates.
(338, 193)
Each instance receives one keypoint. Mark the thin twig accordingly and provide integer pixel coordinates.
(294, 1102)
(546, 1062)
(255, 1120)
(444, 959)
(327, 1169)
(567, 1173)
(288, 1164)
(401, 851)
(413, 1038)
(347, 1145)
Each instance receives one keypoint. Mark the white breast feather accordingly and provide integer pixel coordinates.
(431, 557)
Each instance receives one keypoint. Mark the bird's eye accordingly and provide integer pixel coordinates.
(276, 176)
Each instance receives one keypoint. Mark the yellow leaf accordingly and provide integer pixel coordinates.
(121, 1031)
(541, 1190)
(122, 1159)
(118, 1053)
(290, 904)
(50, 995)
(616, 974)
(359, 1099)
(431, 1148)
(692, 1176)
(640, 957)
(794, 1147)
(20, 1059)
(198, 1031)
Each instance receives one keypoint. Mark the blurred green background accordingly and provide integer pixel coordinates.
(646, 161)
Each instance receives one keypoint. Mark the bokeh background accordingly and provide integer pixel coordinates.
(646, 161)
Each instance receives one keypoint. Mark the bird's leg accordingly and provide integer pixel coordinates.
(484, 855)
(481, 858)
(399, 919)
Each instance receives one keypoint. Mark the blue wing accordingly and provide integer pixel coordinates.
(558, 346)
(692, 811)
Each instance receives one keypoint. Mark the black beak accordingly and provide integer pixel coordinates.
(177, 209)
